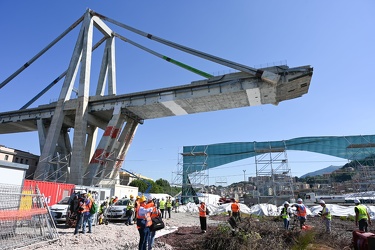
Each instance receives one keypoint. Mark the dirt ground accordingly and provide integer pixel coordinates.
(272, 235)
(115, 235)
(183, 232)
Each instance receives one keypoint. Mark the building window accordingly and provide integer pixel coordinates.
(6, 157)
(16, 159)
(21, 160)
(27, 161)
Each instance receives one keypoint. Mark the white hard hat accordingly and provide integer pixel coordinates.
(356, 201)
(322, 202)
(286, 203)
(299, 200)
(83, 192)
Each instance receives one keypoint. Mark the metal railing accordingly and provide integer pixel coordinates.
(25, 218)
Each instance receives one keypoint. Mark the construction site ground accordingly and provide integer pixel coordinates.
(270, 235)
(183, 232)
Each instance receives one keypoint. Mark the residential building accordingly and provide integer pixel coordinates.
(22, 157)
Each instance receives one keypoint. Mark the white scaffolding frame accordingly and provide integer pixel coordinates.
(273, 174)
(365, 180)
(199, 178)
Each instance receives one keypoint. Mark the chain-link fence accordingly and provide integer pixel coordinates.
(25, 218)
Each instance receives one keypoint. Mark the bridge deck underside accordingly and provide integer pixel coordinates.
(226, 92)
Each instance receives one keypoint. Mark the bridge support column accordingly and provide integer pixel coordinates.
(122, 147)
(104, 153)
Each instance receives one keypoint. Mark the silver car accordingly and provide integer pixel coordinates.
(117, 211)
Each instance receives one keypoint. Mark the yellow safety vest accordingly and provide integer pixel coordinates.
(328, 216)
(284, 213)
(162, 204)
(362, 212)
(130, 205)
(169, 204)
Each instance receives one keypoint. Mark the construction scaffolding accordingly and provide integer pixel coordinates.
(274, 179)
(25, 218)
(361, 156)
(193, 176)
(58, 167)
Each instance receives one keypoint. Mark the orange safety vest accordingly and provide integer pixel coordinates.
(147, 217)
(137, 211)
(155, 212)
(149, 204)
(202, 210)
(86, 208)
(235, 207)
(301, 211)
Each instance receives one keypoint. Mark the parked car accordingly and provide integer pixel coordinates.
(60, 209)
(117, 211)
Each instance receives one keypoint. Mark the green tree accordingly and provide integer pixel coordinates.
(155, 188)
(342, 177)
(175, 190)
(142, 185)
(164, 184)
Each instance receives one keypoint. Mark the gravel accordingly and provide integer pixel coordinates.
(116, 235)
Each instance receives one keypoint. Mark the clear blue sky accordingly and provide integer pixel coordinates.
(337, 38)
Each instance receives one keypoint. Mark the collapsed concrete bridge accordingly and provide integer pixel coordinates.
(81, 161)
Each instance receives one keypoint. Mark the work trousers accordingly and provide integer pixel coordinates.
(203, 221)
(87, 219)
(302, 221)
(362, 224)
(327, 223)
(236, 216)
(151, 239)
(169, 212)
(130, 219)
(78, 222)
(144, 234)
(286, 223)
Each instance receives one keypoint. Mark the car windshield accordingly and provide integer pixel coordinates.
(122, 203)
(64, 201)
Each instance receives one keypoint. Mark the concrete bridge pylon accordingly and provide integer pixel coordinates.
(54, 137)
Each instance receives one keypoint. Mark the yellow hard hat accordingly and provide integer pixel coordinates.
(131, 196)
(143, 198)
(138, 197)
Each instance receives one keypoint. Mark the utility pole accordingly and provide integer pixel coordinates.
(244, 178)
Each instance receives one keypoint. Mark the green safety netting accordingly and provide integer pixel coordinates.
(198, 158)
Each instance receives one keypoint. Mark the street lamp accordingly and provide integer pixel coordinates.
(244, 178)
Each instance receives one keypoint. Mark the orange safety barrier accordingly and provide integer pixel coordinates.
(14, 215)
